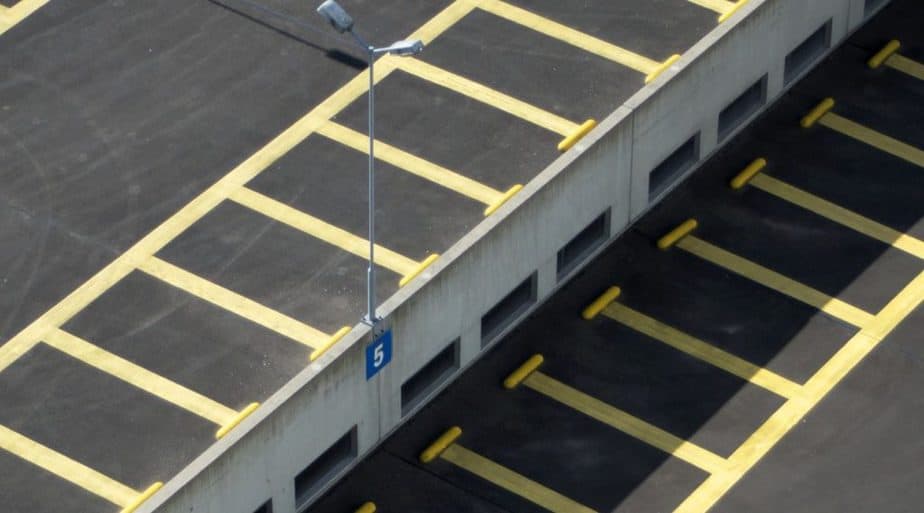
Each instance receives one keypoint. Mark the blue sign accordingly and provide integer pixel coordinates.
(378, 354)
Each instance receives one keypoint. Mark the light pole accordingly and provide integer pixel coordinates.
(343, 22)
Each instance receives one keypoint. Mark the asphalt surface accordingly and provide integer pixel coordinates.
(858, 449)
(116, 115)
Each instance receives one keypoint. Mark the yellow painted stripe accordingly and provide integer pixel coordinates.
(367, 507)
(776, 281)
(10, 16)
(322, 230)
(523, 371)
(66, 468)
(600, 303)
(511, 481)
(233, 422)
(142, 498)
(873, 138)
(570, 36)
(76, 301)
(435, 449)
(661, 68)
(139, 377)
(738, 5)
(906, 65)
(488, 96)
(631, 425)
(411, 163)
(719, 6)
(323, 348)
(840, 215)
(887, 51)
(704, 351)
(815, 389)
(569, 141)
(823, 107)
(511, 192)
(234, 302)
(421, 267)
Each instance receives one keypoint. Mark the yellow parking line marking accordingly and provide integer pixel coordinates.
(888, 55)
(511, 481)
(840, 215)
(776, 281)
(66, 468)
(628, 424)
(486, 95)
(142, 497)
(411, 163)
(906, 65)
(570, 36)
(719, 6)
(322, 230)
(882, 55)
(233, 302)
(235, 420)
(367, 507)
(201, 205)
(815, 389)
(140, 377)
(738, 5)
(873, 138)
(10, 16)
(702, 350)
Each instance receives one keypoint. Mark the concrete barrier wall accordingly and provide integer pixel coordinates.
(607, 171)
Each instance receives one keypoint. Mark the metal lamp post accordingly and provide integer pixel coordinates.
(343, 22)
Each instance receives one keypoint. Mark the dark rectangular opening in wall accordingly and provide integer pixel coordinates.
(322, 469)
(267, 507)
(583, 244)
(803, 56)
(742, 107)
(673, 167)
(429, 377)
(871, 5)
(508, 309)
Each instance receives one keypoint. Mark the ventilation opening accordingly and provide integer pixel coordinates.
(803, 56)
(583, 244)
(742, 107)
(429, 377)
(267, 507)
(871, 5)
(325, 467)
(508, 309)
(673, 167)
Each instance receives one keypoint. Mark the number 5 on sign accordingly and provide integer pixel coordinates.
(378, 354)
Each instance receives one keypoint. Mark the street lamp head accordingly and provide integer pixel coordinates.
(338, 18)
(403, 48)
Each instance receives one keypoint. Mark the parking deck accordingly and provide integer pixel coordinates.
(749, 345)
(184, 201)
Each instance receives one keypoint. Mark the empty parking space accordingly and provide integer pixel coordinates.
(656, 29)
(103, 415)
(20, 474)
(433, 122)
(493, 45)
(724, 309)
(415, 216)
(231, 360)
(250, 240)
